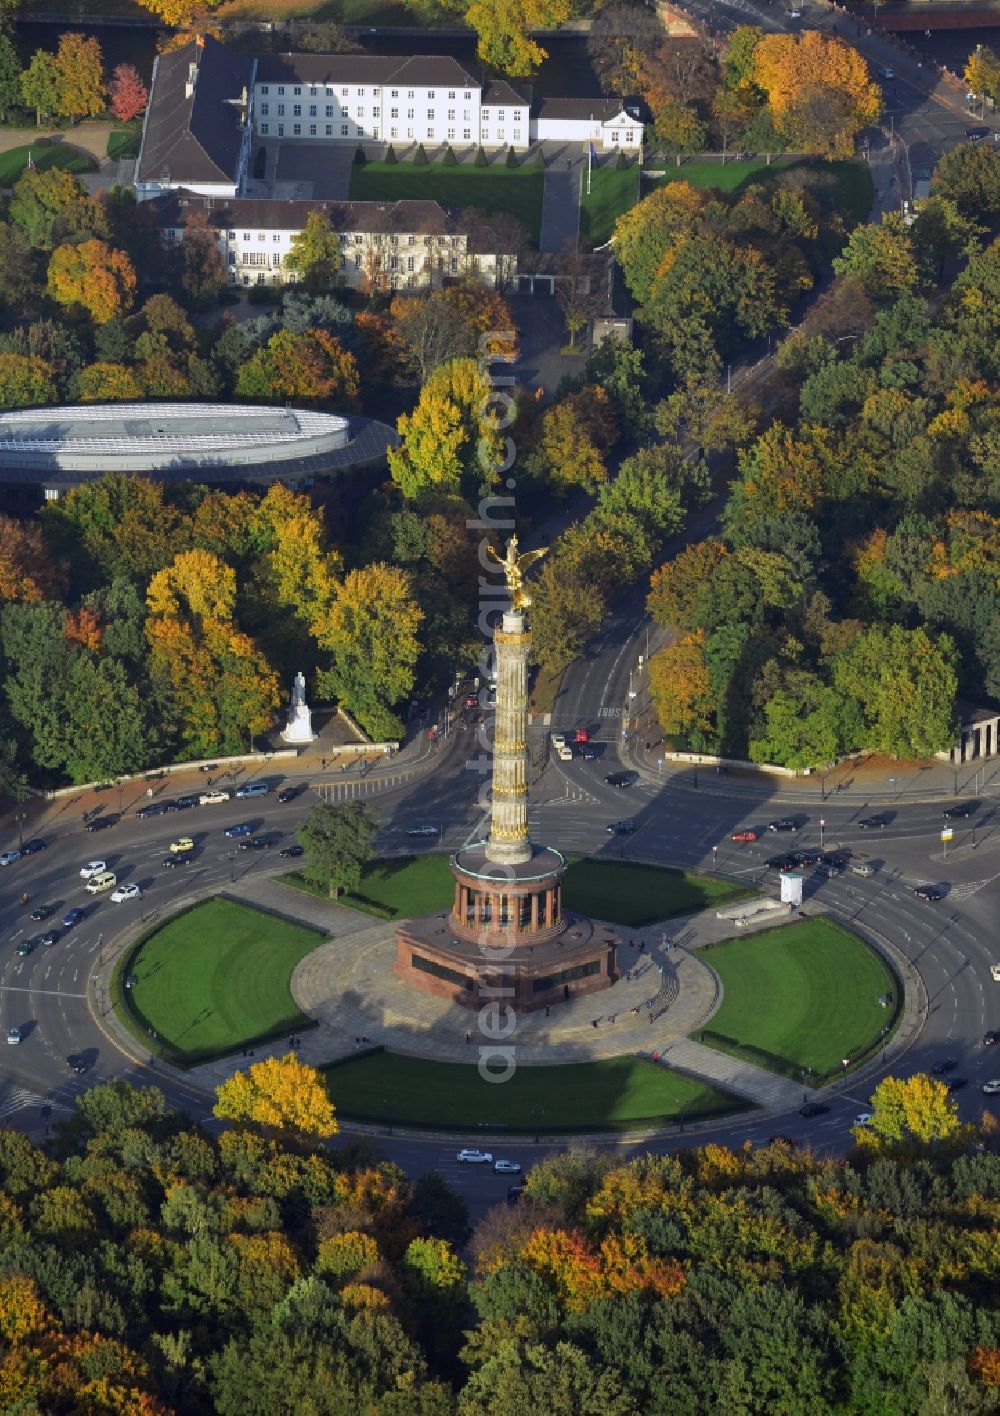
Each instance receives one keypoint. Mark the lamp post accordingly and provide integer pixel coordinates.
(822, 829)
(845, 1062)
(20, 817)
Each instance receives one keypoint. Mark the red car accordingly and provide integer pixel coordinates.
(743, 836)
(581, 735)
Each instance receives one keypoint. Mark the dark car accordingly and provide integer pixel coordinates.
(947, 1064)
(76, 1064)
(960, 810)
(289, 793)
(955, 1084)
(929, 892)
(621, 779)
(783, 823)
(33, 847)
(255, 843)
(209, 767)
(183, 803)
(781, 862)
(101, 823)
(243, 828)
(590, 753)
(831, 869)
(73, 917)
(180, 858)
(155, 808)
(976, 135)
(838, 858)
(813, 1108)
(51, 936)
(991, 1038)
(873, 823)
(26, 946)
(806, 857)
(42, 912)
(622, 828)
(291, 852)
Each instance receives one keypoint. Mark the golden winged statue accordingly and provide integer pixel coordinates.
(514, 566)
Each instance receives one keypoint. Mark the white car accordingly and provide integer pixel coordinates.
(422, 831)
(92, 868)
(888, 73)
(14, 1036)
(995, 972)
(125, 892)
(564, 752)
(864, 1118)
(475, 1157)
(992, 1088)
(506, 1167)
(212, 798)
(9, 857)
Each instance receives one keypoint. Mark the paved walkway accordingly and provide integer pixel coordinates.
(560, 204)
(766, 1089)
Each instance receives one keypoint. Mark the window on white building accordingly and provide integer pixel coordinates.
(297, 91)
(409, 132)
(467, 133)
(263, 130)
(276, 238)
(296, 110)
(393, 112)
(312, 110)
(451, 134)
(430, 93)
(296, 130)
(281, 130)
(281, 110)
(500, 136)
(466, 115)
(361, 93)
(376, 112)
(394, 93)
(361, 110)
(394, 132)
(246, 235)
(329, 110)
(357, 260)
(281, 90)
(312, 90)
(329, 130)
(430, 115)
(451, 113)
(343, 93)
(467, 94)
(312, 130)
(264, 89)
(410, 240)
(500, 115)
(410, 93)
(264, 107)
(343, 130)
(394, 263)
(517, 135)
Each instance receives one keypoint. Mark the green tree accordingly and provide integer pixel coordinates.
(25, 379)
(969, 175)
(679, 131)
(647, 231)
(905, 684)
(40, 85)
(10, 78)
(881, 259)
(47, 205)
(564, 458)
(337, 843)
(450, 442)
(314, 254)
(807, 724)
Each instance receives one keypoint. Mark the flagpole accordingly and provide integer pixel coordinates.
(590, 159)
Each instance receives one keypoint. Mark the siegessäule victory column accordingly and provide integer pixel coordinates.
(507, 936)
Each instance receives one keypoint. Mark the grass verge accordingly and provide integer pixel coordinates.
(517, 190)
(618, 1093)
(211, 980)
(611, 193)
(849, 183)
(124, 142)
(44, 154)
(799, 999)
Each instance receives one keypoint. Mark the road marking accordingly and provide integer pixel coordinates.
(19, 1099)
(46, 992)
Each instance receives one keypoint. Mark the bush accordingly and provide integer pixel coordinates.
(265, 294)
(260, 163)
(420, 156)
(360, 156)
(449, 159)
(390, 155)
(621, 161)
(539, 161)
(481, 159)
(511, 159)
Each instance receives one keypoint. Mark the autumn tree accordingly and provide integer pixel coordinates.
(370, 630)
(564, 457)
(127, 92)
(93, 275)
(431, 330)
(679, 131)
(982, 72)
(203, 273)
(881, 259)
(680, 687)
(40, 85)
(10, 77)
(678, 589)
(107, 383)
(646, 232)
(450, 442)
(503, 29)
(26, 379)
(314, 254)
(27, 569)
(908, 1110)
(48, 206)
(280, 1092)
(818, 89)
(970, 176)
(180, 14)
(337, 843)
(620, 39)
(312, 367)
(79, 68)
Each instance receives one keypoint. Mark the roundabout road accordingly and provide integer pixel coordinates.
(951, 943)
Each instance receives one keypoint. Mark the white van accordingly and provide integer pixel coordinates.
(564, 752)
(107, 880)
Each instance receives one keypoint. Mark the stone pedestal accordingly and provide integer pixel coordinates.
(299, 727)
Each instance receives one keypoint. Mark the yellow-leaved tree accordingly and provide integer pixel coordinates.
(281, 1092)
(910, 1110)
(818, 88)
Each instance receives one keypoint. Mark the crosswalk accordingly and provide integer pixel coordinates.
(358, 788)
(18, 1099)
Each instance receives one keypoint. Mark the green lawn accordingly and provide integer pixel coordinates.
(14, 164)
(517, 190)
(849, 183)
(124, 142)
(611, 192)
(629, 895)
(212, 980)
(618, 1093)
(800, 997)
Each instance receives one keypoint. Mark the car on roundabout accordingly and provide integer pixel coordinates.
(123, 893)
(183, 845)
(185, 803)
(289, 794)
(864, 868)
(76, 1065)
(254, 843)
(960, 810)
(931, 893)
(622, 828)
(947, 1064)
(242, 828)
(41, 912)
(471, 1156)
(73, 917)
(864, 1118)
(621, 779)
(955, 1084)
(427, 830)
(507, 1167)
(783, 823)
(33, 846)
(813, 1108)
(991, 1038)
(743, 837)
(806, 857)
(992, 1088)
(102, 823)
(155, 808)
(291, 852)
(10, 857)
(92, 868)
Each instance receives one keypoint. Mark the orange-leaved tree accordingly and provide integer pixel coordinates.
(282, 1092)
(94, 275)
(818, 88)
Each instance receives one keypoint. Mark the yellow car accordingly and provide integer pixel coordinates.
(184, 844)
